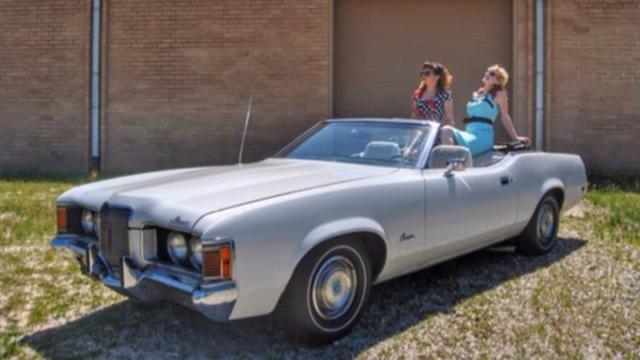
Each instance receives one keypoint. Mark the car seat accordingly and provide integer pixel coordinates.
(441, 154)
(382, 150)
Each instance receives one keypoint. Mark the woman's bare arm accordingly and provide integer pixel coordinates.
(448, 113)
(414, 112)
(503, 103)
(414, 109)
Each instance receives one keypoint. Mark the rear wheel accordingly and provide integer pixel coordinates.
(325, 297)
(540, 234)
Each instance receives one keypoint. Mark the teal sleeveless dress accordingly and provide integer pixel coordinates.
(478, 137)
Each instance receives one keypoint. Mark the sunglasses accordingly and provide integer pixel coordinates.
(426, 73)
(490, 73)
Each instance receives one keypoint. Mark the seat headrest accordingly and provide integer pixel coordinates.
(382, 150)
(442, 153)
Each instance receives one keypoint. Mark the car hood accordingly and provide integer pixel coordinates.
(178, 198)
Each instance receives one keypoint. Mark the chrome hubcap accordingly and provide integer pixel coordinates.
(334, 287)
(546, 223)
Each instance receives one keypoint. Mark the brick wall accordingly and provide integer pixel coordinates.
(522, 80)
(178, 78)
(594, 82)
(44, 74)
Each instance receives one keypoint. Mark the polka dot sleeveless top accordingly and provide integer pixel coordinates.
(431, 109)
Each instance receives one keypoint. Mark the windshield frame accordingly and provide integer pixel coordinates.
(432, 130)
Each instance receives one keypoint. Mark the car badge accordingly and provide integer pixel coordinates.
(178, 221)
(406, 237)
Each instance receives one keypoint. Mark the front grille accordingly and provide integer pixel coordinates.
(113, 238)
(161, 245)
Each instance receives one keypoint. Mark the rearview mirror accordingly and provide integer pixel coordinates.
(454, 164)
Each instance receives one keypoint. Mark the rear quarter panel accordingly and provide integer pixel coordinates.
(536, 173)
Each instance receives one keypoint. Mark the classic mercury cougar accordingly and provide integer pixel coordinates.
(307, 232)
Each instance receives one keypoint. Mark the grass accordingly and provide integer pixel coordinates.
(620, 220)
(39, 289)
(36, 285)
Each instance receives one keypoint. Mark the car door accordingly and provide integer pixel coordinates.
(468, 209)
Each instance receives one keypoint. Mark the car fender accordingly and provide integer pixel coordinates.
(334, 229)
(550, 184)
(529, 200)
(529, 203)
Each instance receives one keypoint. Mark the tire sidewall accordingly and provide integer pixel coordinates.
(296, 310)
(547, 244)
(530, 242)
(550, 200)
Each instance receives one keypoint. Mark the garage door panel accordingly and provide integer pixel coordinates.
(379, 46)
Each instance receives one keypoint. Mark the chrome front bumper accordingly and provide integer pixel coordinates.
(152, 283)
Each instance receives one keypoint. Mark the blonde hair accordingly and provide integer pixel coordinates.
(501, 75)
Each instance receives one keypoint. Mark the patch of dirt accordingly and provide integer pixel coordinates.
(583, 209)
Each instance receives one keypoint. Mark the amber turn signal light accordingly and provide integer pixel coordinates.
(62, 220)
(216, 262)
(225, 257)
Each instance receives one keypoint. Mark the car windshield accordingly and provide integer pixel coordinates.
(375, 143)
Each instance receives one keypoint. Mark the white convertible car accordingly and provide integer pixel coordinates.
(306, 233)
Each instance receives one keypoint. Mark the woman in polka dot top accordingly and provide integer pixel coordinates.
(432, 99)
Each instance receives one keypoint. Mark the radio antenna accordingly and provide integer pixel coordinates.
(246, 126)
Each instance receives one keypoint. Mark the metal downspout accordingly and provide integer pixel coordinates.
(539, 74)
(95, 87)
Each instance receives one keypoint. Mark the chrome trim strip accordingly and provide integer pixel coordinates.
(165, 279)
(110, 281)
(176, 269)
(69, 245)
(382, 120)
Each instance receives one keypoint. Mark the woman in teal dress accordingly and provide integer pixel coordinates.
(487, 103)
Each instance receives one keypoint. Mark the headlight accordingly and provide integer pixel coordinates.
(195, 244)
(177, 247)
(88, 221)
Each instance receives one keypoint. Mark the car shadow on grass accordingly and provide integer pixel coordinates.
(132, 330)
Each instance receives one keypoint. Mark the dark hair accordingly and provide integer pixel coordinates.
(444, 80)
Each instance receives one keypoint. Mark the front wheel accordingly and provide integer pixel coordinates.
(325, 297)
(540, 234)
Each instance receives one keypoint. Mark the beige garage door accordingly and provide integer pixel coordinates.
(379, 46)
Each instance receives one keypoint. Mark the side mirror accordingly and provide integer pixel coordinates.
(454, 164)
